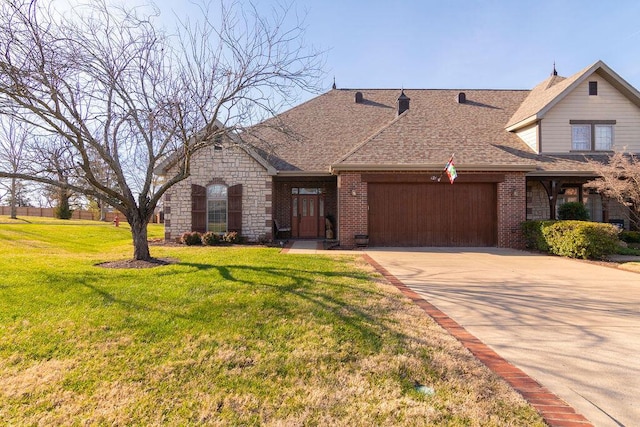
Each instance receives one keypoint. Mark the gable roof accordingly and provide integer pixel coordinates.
(167, 163)
(333, 131)
(437, 126)
(551, 91)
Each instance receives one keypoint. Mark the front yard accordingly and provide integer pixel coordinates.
(226, 336)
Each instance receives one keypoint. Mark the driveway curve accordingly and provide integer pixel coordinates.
(571, 325)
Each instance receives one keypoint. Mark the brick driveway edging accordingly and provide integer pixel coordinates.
(555, 411)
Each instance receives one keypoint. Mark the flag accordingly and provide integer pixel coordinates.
(450, 169)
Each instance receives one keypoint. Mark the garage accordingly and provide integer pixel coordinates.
(432, 214)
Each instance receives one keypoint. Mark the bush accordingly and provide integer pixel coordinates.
(580, 239)
(63, 211)
(534, 238)
(211, 239)
(630, 236)
(191, 238)
(231, 237)
(573, 211)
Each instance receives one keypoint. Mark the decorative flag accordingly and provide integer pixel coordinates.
(450, 169)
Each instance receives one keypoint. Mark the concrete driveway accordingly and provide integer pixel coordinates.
(571, 325)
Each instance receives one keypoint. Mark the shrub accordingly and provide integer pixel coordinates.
(630, 236)
(231, 237)
(534, 238)
(573, 211)
(580, 239)
(211, 239)
(191, 238)
(63, 211)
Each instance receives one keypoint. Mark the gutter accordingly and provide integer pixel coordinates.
(345, 167)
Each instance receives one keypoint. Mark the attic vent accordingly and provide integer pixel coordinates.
(403, 102)
(593, 88)
(359, 97)
(462, 98)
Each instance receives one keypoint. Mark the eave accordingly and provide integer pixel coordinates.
(523, 123)
(301, 173)
(345, 167)
(545, 173)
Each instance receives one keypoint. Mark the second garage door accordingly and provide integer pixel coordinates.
(432, 214)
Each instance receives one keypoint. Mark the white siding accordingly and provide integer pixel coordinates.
(530, 136)
(609, 104)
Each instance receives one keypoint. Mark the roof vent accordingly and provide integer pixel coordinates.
(359, 97)
(462, 98)
(403, 102)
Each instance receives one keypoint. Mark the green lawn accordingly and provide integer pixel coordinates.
(227, 336)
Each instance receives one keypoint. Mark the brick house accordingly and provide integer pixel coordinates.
(371, 160)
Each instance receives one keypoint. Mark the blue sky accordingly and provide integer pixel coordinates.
(465, 44)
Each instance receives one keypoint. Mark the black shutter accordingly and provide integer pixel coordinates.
(198, 208)
(234, 198)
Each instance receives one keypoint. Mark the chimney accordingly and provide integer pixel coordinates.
(359, 98)
(462, 98)
(403, 102)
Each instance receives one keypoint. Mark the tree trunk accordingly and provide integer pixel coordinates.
(139, 234)
(14, 198)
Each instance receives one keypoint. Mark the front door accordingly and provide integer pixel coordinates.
(308, 225)
(307, 216)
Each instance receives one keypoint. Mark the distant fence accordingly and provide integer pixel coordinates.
(77, 214)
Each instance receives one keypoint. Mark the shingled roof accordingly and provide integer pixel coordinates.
(551, 91)
(360, 129)
(334, 131)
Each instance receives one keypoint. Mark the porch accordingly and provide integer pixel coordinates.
(305, 206)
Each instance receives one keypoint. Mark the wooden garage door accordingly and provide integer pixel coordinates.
(423, 214)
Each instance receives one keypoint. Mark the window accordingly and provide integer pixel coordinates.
(603, 137)
(593, 88)
(581, 137)
(592, 135)
(217, 208)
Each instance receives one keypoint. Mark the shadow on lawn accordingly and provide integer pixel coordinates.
(348, 307)
(321, 289)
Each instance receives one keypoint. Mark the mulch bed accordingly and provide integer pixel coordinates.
(132, 263)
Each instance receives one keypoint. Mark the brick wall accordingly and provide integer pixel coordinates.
(230, 166)
(512, 204)
(282, 196)
(353, 216)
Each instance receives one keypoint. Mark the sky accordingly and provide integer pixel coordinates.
(463, 44)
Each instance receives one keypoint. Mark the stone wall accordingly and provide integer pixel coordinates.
(537, 201)
(538, 205)
(231, 166)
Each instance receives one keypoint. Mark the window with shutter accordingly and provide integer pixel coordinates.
(235, 208)
(198, 208)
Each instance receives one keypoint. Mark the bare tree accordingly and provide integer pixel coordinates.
(13, 142)
(125, 96)
(619, 180)
(56, 162)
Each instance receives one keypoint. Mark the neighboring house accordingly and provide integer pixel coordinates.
(370, 159)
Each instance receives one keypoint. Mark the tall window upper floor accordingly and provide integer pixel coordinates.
(592, 135)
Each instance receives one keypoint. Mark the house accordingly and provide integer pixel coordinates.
(372, 161)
